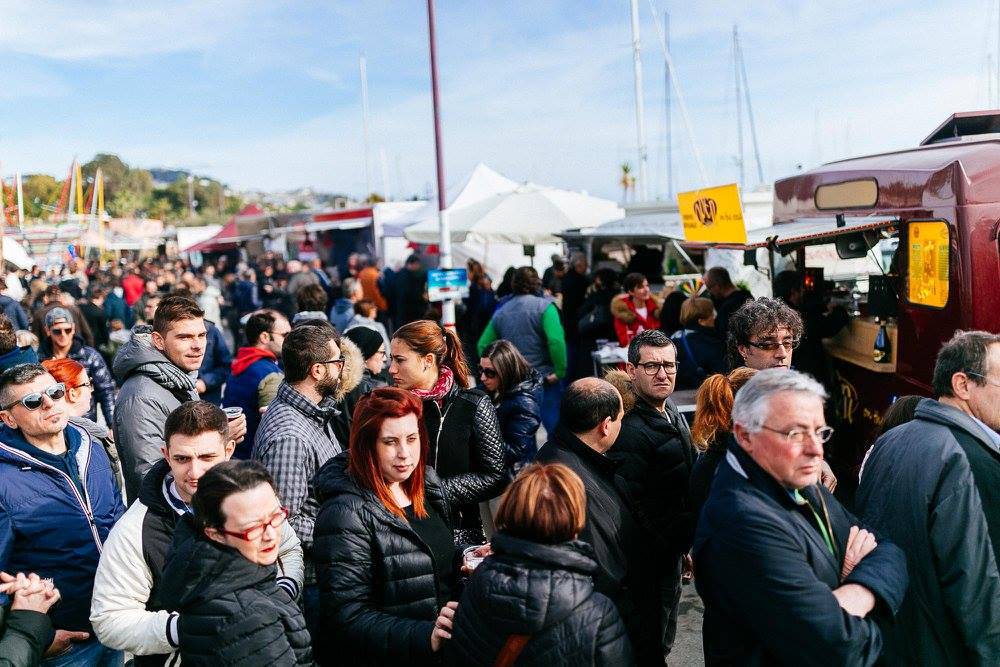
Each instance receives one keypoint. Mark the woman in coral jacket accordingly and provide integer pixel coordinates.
(636, 310)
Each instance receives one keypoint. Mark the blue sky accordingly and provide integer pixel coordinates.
(266, 94)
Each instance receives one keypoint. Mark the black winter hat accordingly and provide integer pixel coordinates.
(367, 339)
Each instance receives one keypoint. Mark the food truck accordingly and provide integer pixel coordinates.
(924, 222)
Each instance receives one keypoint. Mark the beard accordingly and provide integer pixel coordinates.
(328, 386)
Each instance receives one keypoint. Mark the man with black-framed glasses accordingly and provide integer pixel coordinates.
(58, 501)
(296, 434)
(933, 485)
(787, 574)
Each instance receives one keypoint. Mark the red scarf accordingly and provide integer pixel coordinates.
(445, 381)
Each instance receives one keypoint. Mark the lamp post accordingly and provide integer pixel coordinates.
(444, 245)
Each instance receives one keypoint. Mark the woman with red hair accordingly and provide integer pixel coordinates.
(383, 541)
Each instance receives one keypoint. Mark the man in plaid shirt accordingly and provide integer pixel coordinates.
(295, 437)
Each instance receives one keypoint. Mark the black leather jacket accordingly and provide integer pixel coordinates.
(467, 450)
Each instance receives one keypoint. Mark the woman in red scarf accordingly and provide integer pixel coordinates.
(636, 310)
(467, 449)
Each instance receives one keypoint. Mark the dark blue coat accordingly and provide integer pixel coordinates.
(116, 309)
(97, 369)
(14, 312)
(243, 391)
(766, 575)
(215, 367)
(49, 527)
(520, 414)
(700, 353)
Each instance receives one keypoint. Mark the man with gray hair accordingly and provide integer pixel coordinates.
(786, 573)
(933, 486)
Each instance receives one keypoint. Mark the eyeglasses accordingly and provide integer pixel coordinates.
(84, 384)
(797, 436)
(653, 367)
(489, 372)
(991, 381)
(62, 332)
(34, 400)
(772, 345)
(339, 362)
(256, 532)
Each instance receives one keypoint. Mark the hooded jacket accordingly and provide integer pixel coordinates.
(767, 575)
(627, 320)
(127, 610)
(932, 486)
(151, 388)
(545, 591)
(53, 527)
(519, 411)
(215, 366)
(379, 596)
(97, 370)
(250, 371)
(232, 611)
(17, 356)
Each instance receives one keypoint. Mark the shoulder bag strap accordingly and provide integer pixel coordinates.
(511, 650)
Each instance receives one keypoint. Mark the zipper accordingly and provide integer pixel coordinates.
(84, 504)
(437, 437)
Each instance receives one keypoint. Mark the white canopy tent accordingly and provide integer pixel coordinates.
(15, 253)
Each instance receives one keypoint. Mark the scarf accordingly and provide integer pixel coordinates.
(445, 381)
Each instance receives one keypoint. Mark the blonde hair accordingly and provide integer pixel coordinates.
(545, 503)
(694, 309)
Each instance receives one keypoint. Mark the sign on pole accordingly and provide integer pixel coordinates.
(713, 215)
(447, 284)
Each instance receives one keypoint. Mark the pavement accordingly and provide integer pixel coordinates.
(687, 644)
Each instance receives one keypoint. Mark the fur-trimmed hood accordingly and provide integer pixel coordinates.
(354, 368)
(622, 308)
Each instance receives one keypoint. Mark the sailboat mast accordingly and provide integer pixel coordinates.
(739, 109)
(363, 67)
(753, 125)
(639, 122)
(666, 104)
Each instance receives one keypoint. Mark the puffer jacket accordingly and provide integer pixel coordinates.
(519, 411)
(152, 388)
(467, 451)
(50, 526)
(379, 596)
(97, 370)
(545, 591)
(232, 612)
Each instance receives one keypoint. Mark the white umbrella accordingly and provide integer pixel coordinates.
(529, 215)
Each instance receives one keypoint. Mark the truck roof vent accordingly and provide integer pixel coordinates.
(965, 124)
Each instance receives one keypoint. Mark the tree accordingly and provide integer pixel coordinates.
(125, 204)
(40, 191)
(627, 180)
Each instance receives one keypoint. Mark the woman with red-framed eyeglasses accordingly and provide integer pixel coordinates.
(221, 574)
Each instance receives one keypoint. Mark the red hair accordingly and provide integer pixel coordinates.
(362, 460)
(66, 371)
(428, 337)
(714, 405)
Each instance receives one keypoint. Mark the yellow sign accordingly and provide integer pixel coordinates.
(713, 215)
(928, 280)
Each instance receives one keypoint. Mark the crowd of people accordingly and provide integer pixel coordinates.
(285, 464)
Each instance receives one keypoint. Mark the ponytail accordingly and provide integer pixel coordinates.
(454, 357)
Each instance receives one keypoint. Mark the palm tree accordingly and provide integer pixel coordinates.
(627, 180)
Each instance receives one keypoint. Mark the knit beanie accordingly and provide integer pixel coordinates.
(367, 339)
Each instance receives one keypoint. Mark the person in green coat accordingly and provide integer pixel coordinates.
(27, 631)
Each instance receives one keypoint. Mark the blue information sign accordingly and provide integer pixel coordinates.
(447, 284)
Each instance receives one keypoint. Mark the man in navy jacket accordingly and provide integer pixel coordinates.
(788, 576)
(58, 501)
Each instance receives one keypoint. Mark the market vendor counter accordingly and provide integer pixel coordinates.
(855, 342)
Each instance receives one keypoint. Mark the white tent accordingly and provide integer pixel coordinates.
(529, 215)
(15, 253)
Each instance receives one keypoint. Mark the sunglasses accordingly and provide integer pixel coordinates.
(62, 332)
(34, 400)
(489, 372)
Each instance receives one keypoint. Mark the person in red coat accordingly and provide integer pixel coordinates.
(636, 310)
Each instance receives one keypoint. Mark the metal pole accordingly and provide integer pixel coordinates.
(666, 73)
(444, 245)
(739, 109)
(639, 122)
(363, 67)
(753, 125)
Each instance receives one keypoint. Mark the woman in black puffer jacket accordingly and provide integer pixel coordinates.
(385, 559)
(467, 448)
(220, 575)
(538, 584)
(516, 390)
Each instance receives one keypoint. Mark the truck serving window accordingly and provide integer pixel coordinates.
(927, 275)
(862, 193)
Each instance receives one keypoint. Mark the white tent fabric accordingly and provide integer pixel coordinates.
(529, 215)
(15, 253)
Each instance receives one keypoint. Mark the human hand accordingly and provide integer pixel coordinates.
(855, 599)
(200, 386)
(443, 626)
(63, 640)
(473, 557)
(826, 476)
(551, 378)
(238, 428)
(39, 597)
(860, 543)
(687, 569)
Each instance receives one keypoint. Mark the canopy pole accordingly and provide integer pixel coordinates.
(444, 245)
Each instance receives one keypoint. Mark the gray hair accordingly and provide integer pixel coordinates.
(753, 401)
(15, 376)
(967, 352)
(647, 338)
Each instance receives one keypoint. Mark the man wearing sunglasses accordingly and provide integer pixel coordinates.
(158, 370)
(788, 576)
(58, 501)
(126, 610)
(933, 486)
(296, 434)
(62, 342)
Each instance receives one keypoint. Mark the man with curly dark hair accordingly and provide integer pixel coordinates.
(762, 334)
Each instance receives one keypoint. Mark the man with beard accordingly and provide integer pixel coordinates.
(295, 437)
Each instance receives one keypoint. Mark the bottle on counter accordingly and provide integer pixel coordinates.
(880, 353)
